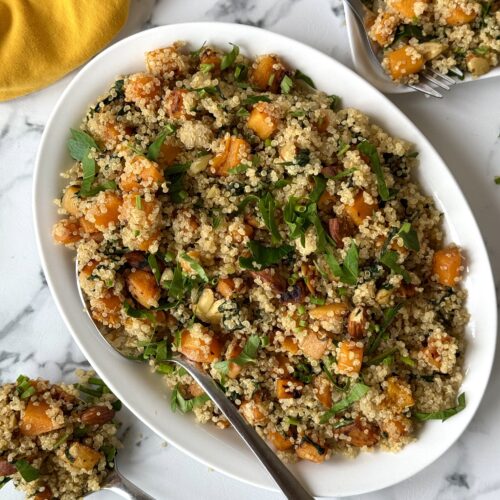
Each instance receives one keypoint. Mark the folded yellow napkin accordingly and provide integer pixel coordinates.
(42, 40)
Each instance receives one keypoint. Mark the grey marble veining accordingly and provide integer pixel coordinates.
(464, 128)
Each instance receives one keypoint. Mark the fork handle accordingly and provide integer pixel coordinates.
(358, 9)
(289, 485)
(124, 487)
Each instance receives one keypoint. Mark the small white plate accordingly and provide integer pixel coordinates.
(143, 392)
(364, 66)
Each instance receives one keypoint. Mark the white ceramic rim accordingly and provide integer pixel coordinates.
(241, 465)
(363, 65)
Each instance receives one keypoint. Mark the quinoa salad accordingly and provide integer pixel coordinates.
(223, 208)
(57, 440)
(450, 36)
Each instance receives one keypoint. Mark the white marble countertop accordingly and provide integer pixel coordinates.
(464, 128)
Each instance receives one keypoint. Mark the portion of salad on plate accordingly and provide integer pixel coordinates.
(57, 440)
(223, 207)
(449, 36)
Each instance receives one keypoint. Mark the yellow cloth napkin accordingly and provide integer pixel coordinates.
(42, 40)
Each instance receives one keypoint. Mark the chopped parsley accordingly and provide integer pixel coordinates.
(248, 355)
(264, 256)
(443, 414)
(357, 391)
(298, 75)
(348, 271)
(155, 147)
(177, 401)
(229, 59)
(370, 151)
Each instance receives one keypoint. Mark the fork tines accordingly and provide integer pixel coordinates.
(438, 79)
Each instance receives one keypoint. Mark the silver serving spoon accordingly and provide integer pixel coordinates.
(287, 482)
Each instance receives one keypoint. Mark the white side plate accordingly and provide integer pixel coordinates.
(364, 66)
(144, 392)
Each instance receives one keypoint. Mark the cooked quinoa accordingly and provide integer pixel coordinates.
(223, 208)
(57, 441)
(449, 36)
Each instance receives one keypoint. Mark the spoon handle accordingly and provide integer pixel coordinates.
(125, 488)
(283, 477)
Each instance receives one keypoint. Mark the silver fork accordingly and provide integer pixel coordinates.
(287, 482)
(432, 76)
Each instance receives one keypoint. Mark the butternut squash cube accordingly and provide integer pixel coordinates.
(263, 120)
(83, 457)
(268, 72)
(404, 61)
(287, 388)
(280, 442)
(36, 421)
(143, 287)
(447, 265)
(313, 346)
(236, 149)
(308, 451)
(349, 358)
(201, 346)
(360, 209)
(459, 16)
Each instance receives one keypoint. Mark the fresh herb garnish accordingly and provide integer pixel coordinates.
(357, 391)
(443, 414)
(408, 31)
(196, 53)
(24, 387)
(345, 173)
(240, 72)
(155, 147)
(242, 113)
(247, 355)
(267, 208)
(195, 266)
(304, 373)
(206, 68)
(389, 315)
(497, 179)
(286, 84)
(153, 264)
(229, 59)
(342, 423)
(319, 188)
(178, 168)
(334, 102)
(137, 313)
(303, 157)
(409, 237)
(264, 256)
(349, 270)
(80, 144)
(239, 169)
(27, 471)
(298, 113)
(298, 75)
(390, 259)
(104, 186)
(376, 360)
(177, 401)
(109, 452)
(252, 99)
(370, 150)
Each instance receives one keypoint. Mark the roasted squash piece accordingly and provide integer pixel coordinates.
(280, 442)
(106, 211)
(447, 266)
(404, 61)
(143, 287)
(83, 457)
(201, 345)
(312, 452)
(313, 345)
(350, 358)
(263, 120)
(360, 209)
(36, 420)
(267, 73)
(459, 16)
(235, 150)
